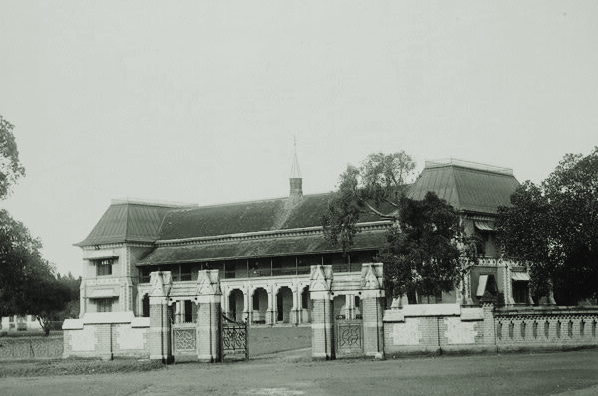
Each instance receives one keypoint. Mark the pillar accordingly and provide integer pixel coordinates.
(322, 335)
(160, 324)
(271, 311)
(295, 309)
(372, 309)
(489, 325)
(208, 316)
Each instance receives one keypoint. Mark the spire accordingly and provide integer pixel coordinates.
(295, 171)
(296, 181)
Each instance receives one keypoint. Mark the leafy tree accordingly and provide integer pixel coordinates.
(27, 282)
(554, 227)
(28, 285)
(46, 298)
(375, 188)
(10, 167)
(426, 245)
(424, 255)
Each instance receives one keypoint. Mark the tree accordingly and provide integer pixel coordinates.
(554, 227)
(375, 188)
(10, 167)
(426, 245)
(28, 284)
(424, 255)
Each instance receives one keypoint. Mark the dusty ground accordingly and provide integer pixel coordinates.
(565, 373)
(271, 372)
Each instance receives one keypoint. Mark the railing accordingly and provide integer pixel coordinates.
(546, 327)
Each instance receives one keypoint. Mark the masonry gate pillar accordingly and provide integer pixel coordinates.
(372, 296)
(489, 324)
(208, 299)
(160, 325)
(322, 334)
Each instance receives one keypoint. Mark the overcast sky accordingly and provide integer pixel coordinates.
(198, 101)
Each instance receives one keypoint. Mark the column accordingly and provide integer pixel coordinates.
(247, 303)
(160, 326)
(271, 312)
(322, 335)
(372, 310)
(295, 309)
(208, 316)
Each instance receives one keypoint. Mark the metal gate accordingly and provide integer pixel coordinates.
(348, 336)
(234, 337)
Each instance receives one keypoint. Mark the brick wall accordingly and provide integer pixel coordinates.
(106, 335)
(448, 328)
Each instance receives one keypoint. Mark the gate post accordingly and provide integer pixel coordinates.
(373, 309)
(208, 316)
(160, 347)
(322, 335)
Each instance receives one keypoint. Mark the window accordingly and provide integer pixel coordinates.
(104, 267)
(104, 304)
(520, 292)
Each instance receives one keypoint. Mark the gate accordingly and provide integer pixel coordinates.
(234, 337)
(184, 339)
(349, 336)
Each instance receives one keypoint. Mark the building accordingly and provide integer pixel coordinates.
(264, 249)
(14, 323)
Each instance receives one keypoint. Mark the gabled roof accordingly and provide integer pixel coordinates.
(128, 221)
(467, 186)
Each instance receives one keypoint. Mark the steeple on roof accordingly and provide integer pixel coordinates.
(295, 171)
(295, 180)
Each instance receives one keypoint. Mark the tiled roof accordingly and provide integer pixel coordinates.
(261, 247)
(127, 221)
(467, 188)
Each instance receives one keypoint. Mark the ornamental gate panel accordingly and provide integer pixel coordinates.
(184, 340)
(348, 336)
(234, 337)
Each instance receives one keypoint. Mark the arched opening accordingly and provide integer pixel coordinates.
(306, 306)
(284, 304)
(236, 305)
(259, 305)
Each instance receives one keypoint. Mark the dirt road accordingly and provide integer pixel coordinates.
(574, 373)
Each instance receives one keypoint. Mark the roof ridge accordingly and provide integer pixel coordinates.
(251, 201)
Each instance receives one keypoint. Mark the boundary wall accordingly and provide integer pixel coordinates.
(107, 335)
(451, 328)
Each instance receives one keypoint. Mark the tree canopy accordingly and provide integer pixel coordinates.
(10, 166)
(28, 283)
(376, 187)
(425, 242)
(554, 227)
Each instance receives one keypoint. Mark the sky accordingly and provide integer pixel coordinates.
(200, 101)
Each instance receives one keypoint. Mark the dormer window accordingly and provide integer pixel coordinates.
(104, 266)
